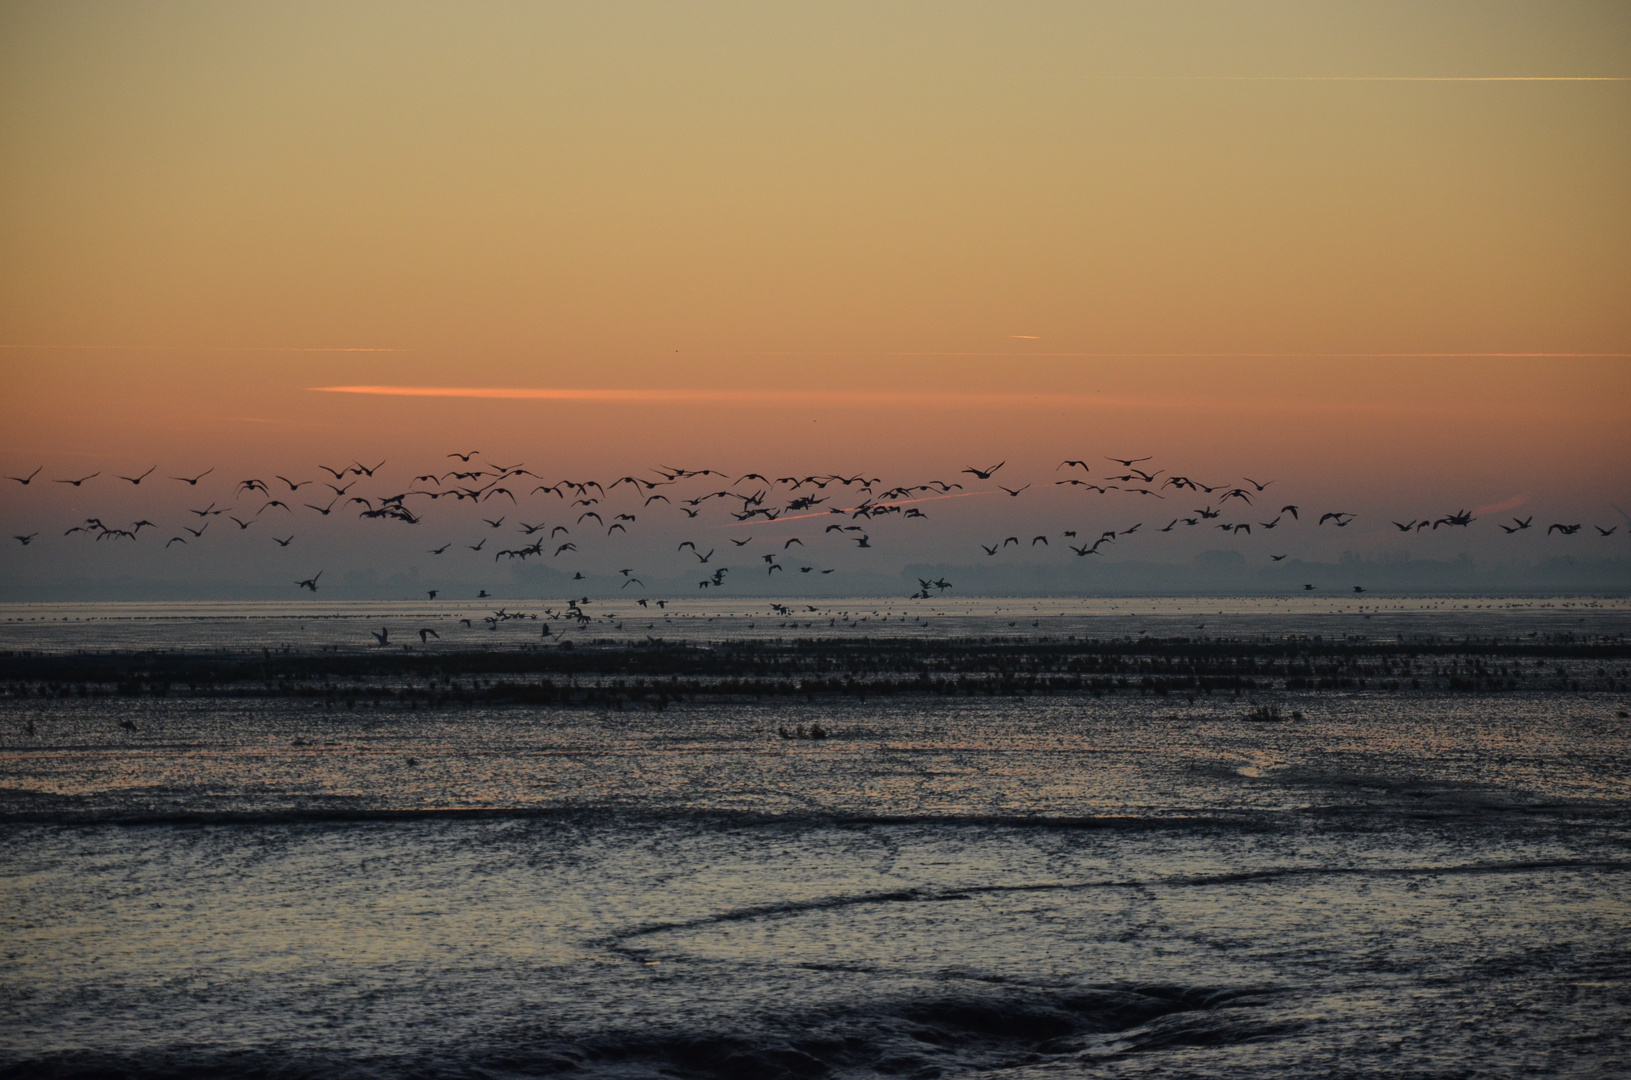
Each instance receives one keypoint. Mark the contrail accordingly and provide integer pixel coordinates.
(211, 348)
(1347, 78)
(1207, 355)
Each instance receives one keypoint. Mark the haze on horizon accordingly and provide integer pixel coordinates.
(1359, 249)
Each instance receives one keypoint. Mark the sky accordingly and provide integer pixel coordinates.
(1378, 253)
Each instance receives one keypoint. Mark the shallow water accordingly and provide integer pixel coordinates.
(1418, 885)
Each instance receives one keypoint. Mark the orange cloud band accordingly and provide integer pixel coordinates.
(879, 398)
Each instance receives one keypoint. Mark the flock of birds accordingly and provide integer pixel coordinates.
(846, 508)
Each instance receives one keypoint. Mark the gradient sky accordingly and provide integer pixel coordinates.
(1379, 251)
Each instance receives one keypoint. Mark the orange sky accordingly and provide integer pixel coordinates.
(896, 237)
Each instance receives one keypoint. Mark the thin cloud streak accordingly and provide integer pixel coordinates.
(1347, 78)
(1211, 355)
(874, 399)
(1506, 504)
(210, 348)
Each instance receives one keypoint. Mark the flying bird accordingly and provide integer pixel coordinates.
(309, 583)
(984, 474)
(26, 480)
(139, 479)
(193, 480)
(81, 480)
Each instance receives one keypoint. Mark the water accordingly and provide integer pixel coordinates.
(1413, 884)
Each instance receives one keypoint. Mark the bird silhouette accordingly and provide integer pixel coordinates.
(309, 583)
(283, 543)
(26, 480)
(139, 479)
(193, 480)
(382, 635)
(425, 632)
(81, 480)
(985, 474)
(26, 540)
